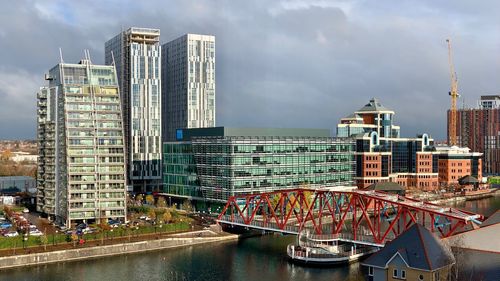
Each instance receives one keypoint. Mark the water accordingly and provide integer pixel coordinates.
(259, 258)
(484, 207)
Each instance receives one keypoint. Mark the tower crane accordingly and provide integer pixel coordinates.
(452, 122)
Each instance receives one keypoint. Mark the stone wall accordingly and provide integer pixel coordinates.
(103, 251)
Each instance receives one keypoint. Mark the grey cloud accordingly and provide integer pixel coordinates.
(279, 64)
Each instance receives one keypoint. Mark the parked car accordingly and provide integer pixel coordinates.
(36, 233)
(6, 225)
(11, 234)
(82, 226)
(62, 227)
(32, 227)
(89, 230)
(26, 210)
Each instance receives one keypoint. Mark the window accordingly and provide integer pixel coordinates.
(420, 277)
(370, 271)
(436, 276)
(395, 273)
(403, 274)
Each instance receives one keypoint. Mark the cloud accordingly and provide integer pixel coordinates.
(279, 63)
(17, 117)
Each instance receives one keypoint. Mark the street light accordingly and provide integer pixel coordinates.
(25, 238)
(54, 238)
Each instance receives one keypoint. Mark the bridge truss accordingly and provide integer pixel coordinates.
(362, 216)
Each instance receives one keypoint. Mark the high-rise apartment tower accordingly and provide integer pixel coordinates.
(137, 56)
(81, 168)
(188, 79)
(479, 129)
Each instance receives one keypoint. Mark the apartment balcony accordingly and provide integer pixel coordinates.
(112, 207)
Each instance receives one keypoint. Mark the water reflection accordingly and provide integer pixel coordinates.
(252, 259)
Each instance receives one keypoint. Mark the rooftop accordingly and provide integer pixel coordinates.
(374, 106)
(391, 187)
(483, 239)
(418, 247)
(187, 134)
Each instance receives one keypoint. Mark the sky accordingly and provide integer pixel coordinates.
(292, 64)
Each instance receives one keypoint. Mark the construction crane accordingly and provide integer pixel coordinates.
(452, 122)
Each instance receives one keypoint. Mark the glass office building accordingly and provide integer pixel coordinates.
(81, 168)
(211, 164)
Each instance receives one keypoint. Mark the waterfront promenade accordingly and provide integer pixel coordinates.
(110, 247)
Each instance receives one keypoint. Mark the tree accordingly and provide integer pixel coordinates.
(186, 206)
(161, 203)
(44, 240)
(6, 154)
(74, 238)
(152, 214)
(150, 199)
(167, 217)
(139, 197)
(175, 215)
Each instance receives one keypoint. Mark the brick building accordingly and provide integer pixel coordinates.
(383, 156)
(479, 129)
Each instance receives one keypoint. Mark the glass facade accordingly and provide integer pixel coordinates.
(82, 168)
(214, 168)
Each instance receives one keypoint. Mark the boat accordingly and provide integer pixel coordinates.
(332, 252)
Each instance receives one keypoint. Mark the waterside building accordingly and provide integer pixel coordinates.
(81, 168)
(208, 165)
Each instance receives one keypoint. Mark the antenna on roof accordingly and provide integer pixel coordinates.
(88, 56)
(112, 59)
(60, 55)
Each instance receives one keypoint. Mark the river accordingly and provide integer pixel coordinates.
(251, 259)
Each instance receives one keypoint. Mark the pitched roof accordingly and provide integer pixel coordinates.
(475, 239)
(386, 186)
(373, 105)
(493, 219)
(352, 116)
(418, 247)
(467, 180)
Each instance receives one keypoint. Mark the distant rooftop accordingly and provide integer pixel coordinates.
(390, 187)
(187, 134)
(144, 30)
(490, 97)
(353, 116)
(373, 106)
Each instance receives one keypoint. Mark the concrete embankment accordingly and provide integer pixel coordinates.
(109, 250)
(469, 197)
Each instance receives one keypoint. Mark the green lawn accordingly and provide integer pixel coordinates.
(17, 242)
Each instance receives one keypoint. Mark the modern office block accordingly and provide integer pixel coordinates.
(208, 165)
(188, 79)
(81, 168)
(136, 53)
(479, 129)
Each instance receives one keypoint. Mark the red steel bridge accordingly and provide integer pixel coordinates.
(363, 217)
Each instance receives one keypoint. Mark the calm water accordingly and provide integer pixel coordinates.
(258, 258)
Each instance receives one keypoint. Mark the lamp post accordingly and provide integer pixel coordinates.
(25, 238)
(54, 238)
